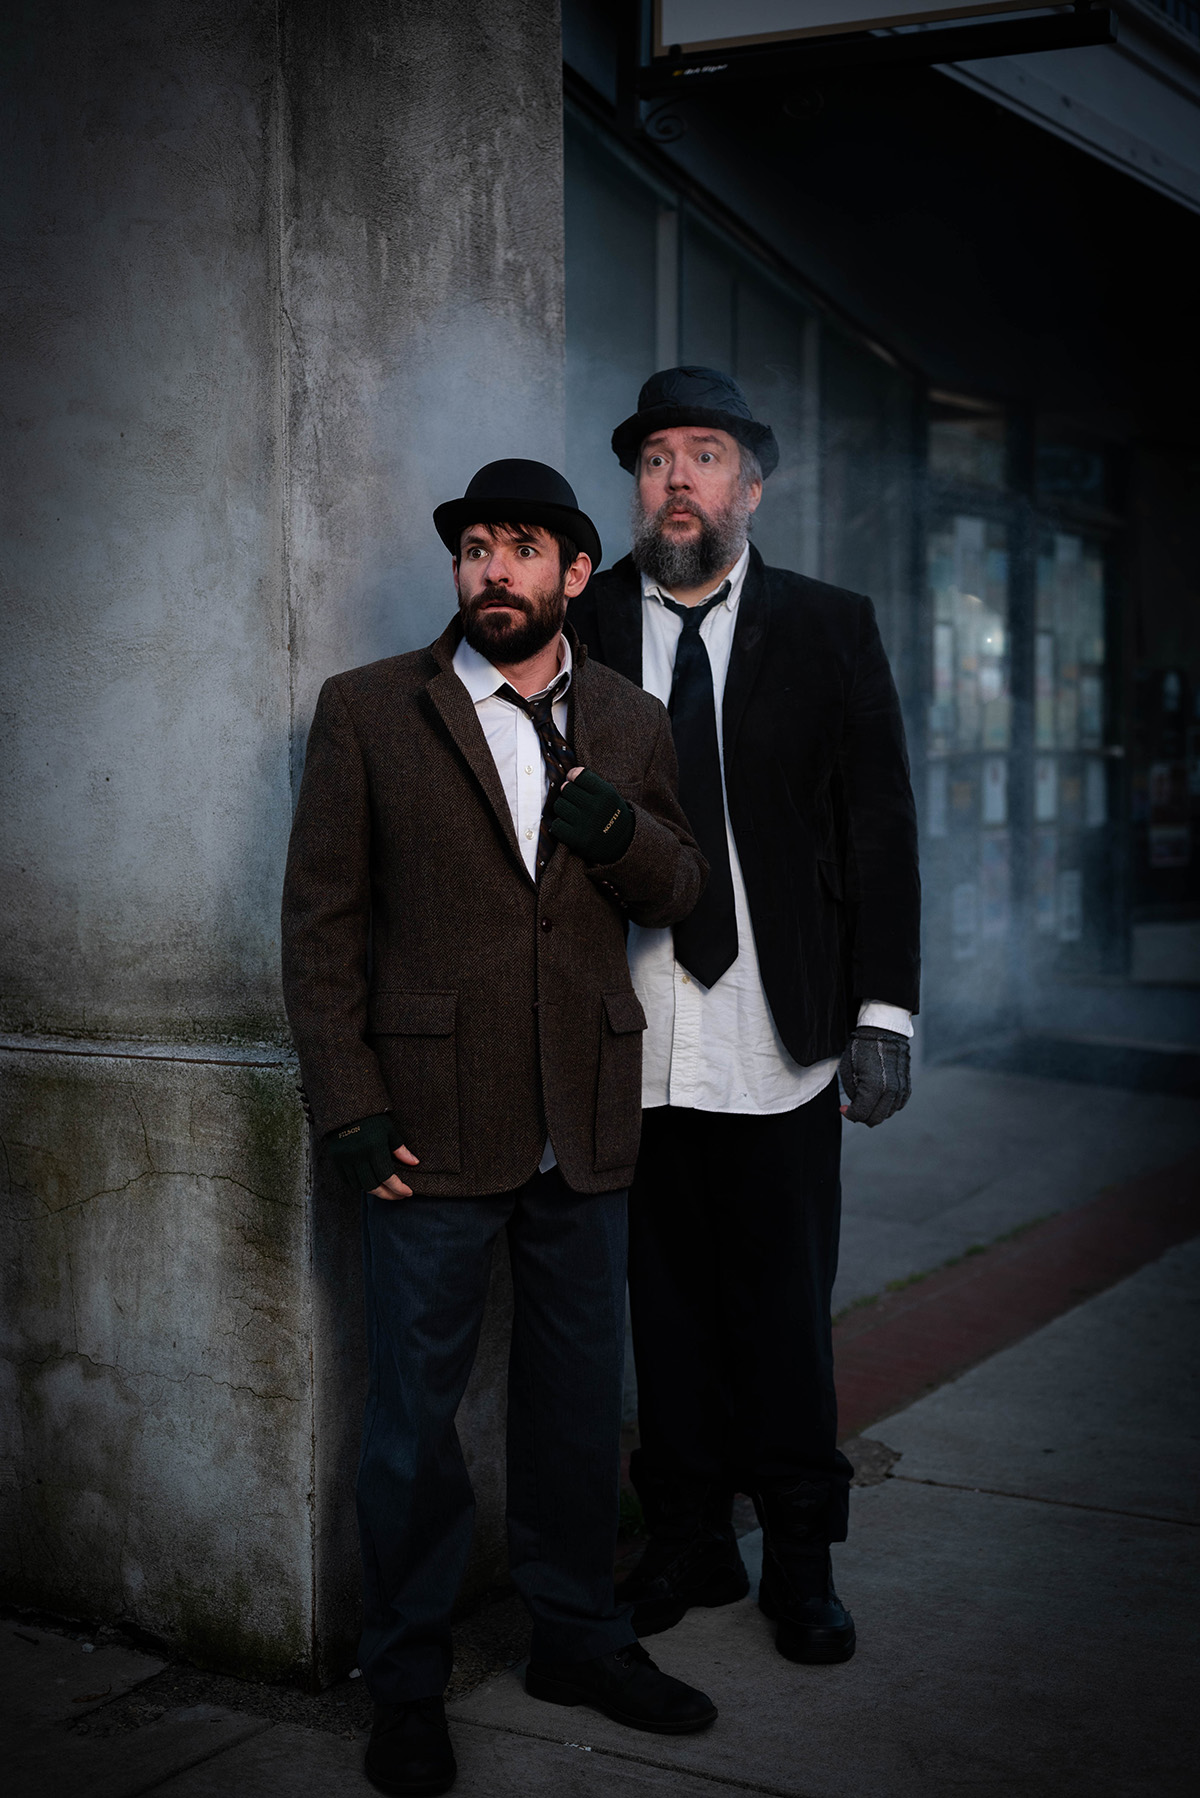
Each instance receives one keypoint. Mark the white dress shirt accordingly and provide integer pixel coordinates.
(517, 752)
(513, 740)
(716, 1048)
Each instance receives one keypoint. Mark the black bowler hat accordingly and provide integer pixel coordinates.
(518, 492)
(693, 396)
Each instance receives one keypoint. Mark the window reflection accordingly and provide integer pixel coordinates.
(968, 576)
(970, 732)
(1070, 786)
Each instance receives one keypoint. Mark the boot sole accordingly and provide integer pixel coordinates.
(811, 1648)
(411, 1788)
(654, 1615)
(810, 1653)
(551, 1691)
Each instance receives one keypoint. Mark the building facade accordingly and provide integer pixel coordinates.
(944, 288)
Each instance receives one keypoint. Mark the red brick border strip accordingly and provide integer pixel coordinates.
(894, 1351)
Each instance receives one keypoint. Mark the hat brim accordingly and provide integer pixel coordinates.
(629, 437)
(452, 519)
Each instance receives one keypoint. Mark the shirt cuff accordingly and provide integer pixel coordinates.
(885, 1017)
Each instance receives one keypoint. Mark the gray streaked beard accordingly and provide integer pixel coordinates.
(691, 563)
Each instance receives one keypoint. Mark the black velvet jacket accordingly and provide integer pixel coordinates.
(817, 783)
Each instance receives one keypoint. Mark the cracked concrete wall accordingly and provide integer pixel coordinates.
(285, 275)
(161, 1419)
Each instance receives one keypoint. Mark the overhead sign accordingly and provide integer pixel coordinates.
(723, 25)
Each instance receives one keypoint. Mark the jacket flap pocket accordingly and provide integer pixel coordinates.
(624, 1011)
(412, 1014)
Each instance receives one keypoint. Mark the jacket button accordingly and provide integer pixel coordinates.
(545, 923)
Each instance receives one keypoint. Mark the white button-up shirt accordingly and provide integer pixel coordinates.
(716, 1048)
(513, 740)
(517, 752)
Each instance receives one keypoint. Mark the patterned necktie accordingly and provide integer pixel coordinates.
(706, 943)
(556, 752)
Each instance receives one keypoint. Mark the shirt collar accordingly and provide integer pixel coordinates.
(482, 681)
(736, 578)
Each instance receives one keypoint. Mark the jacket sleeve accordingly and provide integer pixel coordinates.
(326, 923)
(883, 887)
(662, 873)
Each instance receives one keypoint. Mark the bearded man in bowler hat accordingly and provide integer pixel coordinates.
(477, 823)
(803, 951)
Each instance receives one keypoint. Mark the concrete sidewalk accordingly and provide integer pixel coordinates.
(1025, 1589)
(975, 1155)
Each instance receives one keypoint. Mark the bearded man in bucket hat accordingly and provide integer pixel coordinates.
(803, 950)
(478, 822)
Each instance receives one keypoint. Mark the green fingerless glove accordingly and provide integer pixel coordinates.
(591, 818)
(362, 1152)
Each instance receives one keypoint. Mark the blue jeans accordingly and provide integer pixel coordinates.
(427, 1263)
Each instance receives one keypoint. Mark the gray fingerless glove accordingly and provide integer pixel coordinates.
(591, 818)
(362, 1152)
(875, 1070)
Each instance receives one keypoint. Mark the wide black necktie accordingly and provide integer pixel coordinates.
(556, 752)
(707, 942)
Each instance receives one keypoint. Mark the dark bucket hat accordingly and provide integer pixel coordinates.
(518, 492)
(693, 396)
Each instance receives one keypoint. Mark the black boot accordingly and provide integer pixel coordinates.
(692, 1556)
(626, 1686)
(409, 1752)
(797, 1577)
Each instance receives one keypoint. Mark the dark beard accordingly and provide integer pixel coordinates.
(695, 560)
(504, 643)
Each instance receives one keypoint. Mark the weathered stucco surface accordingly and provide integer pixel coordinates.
(283, 277)
(146, 710)
(163, 1438)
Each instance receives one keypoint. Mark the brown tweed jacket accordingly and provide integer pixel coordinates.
(423, 971)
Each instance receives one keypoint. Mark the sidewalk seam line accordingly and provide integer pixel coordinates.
(156, 1784)
(641, 1760)
(1032, 1498)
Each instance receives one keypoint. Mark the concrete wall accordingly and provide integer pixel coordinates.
(284, 277)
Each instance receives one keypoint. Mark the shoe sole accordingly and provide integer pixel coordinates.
(815, 1653)
(551, 1692)
(423, 1788)
(655, 1615)
(811, 1648)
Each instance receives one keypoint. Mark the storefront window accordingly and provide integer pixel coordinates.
(651, 280)
(968, 444)
(968, 577)
(969, 738)
(1070, 778)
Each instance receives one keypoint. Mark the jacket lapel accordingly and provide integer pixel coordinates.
(579, 731)
(749, 642)
(619, 622)
(457, 712)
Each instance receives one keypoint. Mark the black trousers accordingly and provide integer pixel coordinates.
(427, 1264)
(733, 1241)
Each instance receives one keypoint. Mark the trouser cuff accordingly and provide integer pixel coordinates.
(425, 1673)
(585, 1643)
